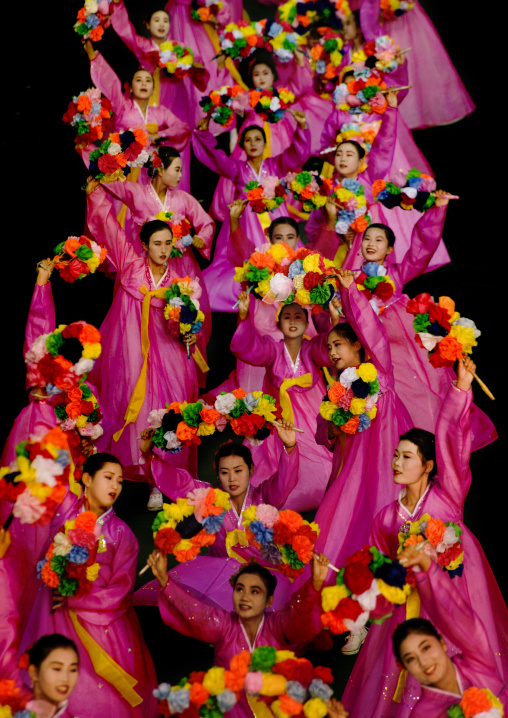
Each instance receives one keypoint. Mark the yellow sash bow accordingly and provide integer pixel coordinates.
(105, 666)
(412, 611)
(156, 94)
(285, 401)
(232, 539)
(259, 708)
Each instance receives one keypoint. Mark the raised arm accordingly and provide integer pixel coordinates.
(125, 30)
(298, 152)
(41, 315)
(276, 490)
(106, 80)
(425, 239)
(173, 482)
(250, 346)
(105, 229)
(205, 149)
(381, 155)
(299, 621)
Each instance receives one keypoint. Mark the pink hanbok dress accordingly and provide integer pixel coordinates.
(374, 679)
(43, 709)
(170, 376)
(219, 275)
(289, 628)
(303, 382)
(361, 479)
(207, 577)
(107, 615)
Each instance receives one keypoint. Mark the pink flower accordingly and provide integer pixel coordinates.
(197, 289)
(253, 682)
(197, 498)
(155, 418)
(68, 425)
(268, 515)
(28, 509)
(346, 398)
(221, 423)
(87, 430)
(37, 350)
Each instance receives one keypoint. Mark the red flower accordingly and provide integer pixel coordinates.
(75, 570)
(108, 164)
(132, 151)
(358, 578)
(420, 304)
(166, 539)
(71, 111)
(438, 314)
(87, 407)
(437, 360)
(280, 191)
(281, 534)
(384, 291)
(324, 673)
(72, 271)
(299, 669)
(312, 279)
(451, 554)
(364, 557)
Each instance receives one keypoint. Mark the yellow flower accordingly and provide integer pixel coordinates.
(278, 42)
(92, 571)
(335, 58)
(40, 491)
(214, 680)
(327, 409)
(69, 525)
(278, 252)
(344, 107)
(81, 421)
(283, 656)
(178, 510)
(454, 317)
(222, 500)
(249, 515)
(277, 710)
(93, 263)
(270, 204)
(455, 564)
(361, 201)
(357, 406)
(25, 467)
(315, 708)
(184, 545)
(205, 429)
(91, 351)
(320, 200)
(496, 703)
(265, 409)
(331, 596)
(257, 394)
(240, 273)
(303, 296)
(367, 372)
(286, 96)
(186, 60)
(372, 413)
(263, 287)
(166, 312)
(274, 684)
(328, 262)
(392, 593)
(311, 263)
(358, 56)
(298, 281)
(465, 335)
(185, 287)
(314, 527)
(343, 195)
(200, 317)
(5, 712)
(184, 328)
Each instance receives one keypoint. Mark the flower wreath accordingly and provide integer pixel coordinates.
(417, 192)
(93, 18)
(441, 330)
(352, 400)
(175, 60)
(266, 194)
(205, 10)
(349, 195)
(90, 113)
(376, 285)
(77, 257)
(270, 104)
(392, 9)
(477, 702)
(222, 104)
(366, 589)
(362, 132)
(242, 38)
(326, 59)
(309, 188)
(363, 93)
(380, 53)
(69, 565)
(182, 310)
(444, 543)
(185, 527)
(115, 158)
(303, 15)
(78, 409)
(13, 700)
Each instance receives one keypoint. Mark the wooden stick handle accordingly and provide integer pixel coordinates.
(406, 49)
(484, 386)
(143, 570)
(277, 423)
(330, 565)
(396, 89)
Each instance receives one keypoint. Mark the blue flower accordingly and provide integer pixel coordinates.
(52, 389)
(320, 67)
(384, 194)
(78, 554)
(212, 524)
(92, 21)
(196, 327)
(63, 458)
(360, 388)
(250, 402)
(295, 268)
(271, 553)
(364, 422)
(162, 691)
(351, 184)
(262, 534)
(415, 182)
(187, 240)
(296, 691)
(275, 30)
(226, 700)
(96, 108)
(361, 97)
(179, 700)
(318, 689)
(40, 564)
(371, 269)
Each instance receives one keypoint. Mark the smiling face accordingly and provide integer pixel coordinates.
(425, 658)
(342, 353)
(293, 321)
(408, 466)
(284, 233)
(234, 476)
(103, 489)
(159, 247)
(262, 76)
(253, 144)
(375, 246)
(250, 596)
(56, 676)
(172, 175)
(347, 160)
(159, 25)
(142, 85)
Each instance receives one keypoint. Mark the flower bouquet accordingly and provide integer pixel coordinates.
(442, 542)
(13, 700)
(205, 10)
(392, 9)
(69, 565)
(38, 483)
(115, 158)
(278, 38)
(309, 188)
(90, 114)
(93, 19)
(376, 285)
(180, 229)
(182, 424)
(284, 539)
(363, 93)
(271, 103)
(77, 257)
(326, 59)
(58, 361)
(222, 104)
(479, 702)
(381, 53)
(175, 60)
(185, 527)
(242, 38)
(362, 132)
(366, 589)
(266, 194)
(78, 409)
(182, 310)
(352, 399)
(417, 191)
(306, 14)
(349, 196)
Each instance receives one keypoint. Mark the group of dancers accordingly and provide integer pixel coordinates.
(99, 409)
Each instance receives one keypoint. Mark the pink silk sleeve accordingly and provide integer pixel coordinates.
(202, 223)
(318, 350)
(239, 247)
(425, 240)
(367, 327)
(299, 621)
(453, 445)
(377, 537)
(186, 614)
(276, 490)
(105, 79)
(126, 32)
(296, 154)
(104, 226)
(204, 146)
(250, 346)
(301, 79)
(369, 19)
(41, 315)
(325, 240)
(174, 482)
(381, 155)
(174, 130)
(330, 129)
(321, 434)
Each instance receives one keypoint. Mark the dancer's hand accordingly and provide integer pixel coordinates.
(92, 185)
(412, 556)
(442, 198)
(346, 277)
(336, 709)
(331, 213)
(465, 369)
(300, 118)
(146, 441)
(333, 308)
(319, 570)
(189, 339)
(44, 269)
(89, 49)
(243, 306)
(392, 99)
(158, 562)
(286, 433)
(203, 123)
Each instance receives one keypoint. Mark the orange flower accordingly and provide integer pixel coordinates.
(303, 20)
(239, 393)
(71, 245)
(73, 410)
(335, 392)
(289, 705)
(90, 334)
(290, 519)
(174, 406)
(204, 14)
(188, 555)
(254, 96)
(240, 663)
(75, 394)
(377, 186)
(317, 51)
(351, 426)
(198, 694)
(49, 576)
(84, 105)
(186, 433)
(413, 540)
(236, 90)
(61, 361)
(474, 701)
(203, 539)
(234, 681)
(57, 493)
(86, 520)
(448, 304)
(121, 159)
(360, 224)
(261, 259)
(56, 437)
(255, 193)
(450, 348)
(303, 547)
(252, 40)
(97, 33)
(209, 415)
(115, 137)
(82, 14)
(140, 136)
(434, 531)
(174, 313)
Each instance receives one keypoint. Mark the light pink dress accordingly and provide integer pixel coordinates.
(374, 679)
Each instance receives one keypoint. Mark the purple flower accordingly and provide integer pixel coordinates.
(213, 524)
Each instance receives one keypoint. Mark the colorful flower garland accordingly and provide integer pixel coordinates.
(250, 415)
(362, 132)
(284, 539)
(477, 702)
(363, 93)
(302, 15)
(180, 229)
(182, 310)
(376, 285)
(309, 188)
(222, 104)
(90, 113)
(417, 192)
(77, 257)
(366, 589)
(175, 60)
(78, 409)
(444, 539)
(349, 196)
(38, 486)
(266, 194)
(115, 158)
(278, 273)
(392, 9)
(326, 59)
(93, 19)
(13, 700)
(198, 518)
(242, 38)
(383, 50)
(352, 399)
(48, 368)
(441, 330)
(271, 103)
(205, 10)
(69, 565)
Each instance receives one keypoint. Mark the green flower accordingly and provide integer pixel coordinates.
(341, 417)
(68, 586)
(263, 658)
(421, 322)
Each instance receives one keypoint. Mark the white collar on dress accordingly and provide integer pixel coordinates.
(403, 493)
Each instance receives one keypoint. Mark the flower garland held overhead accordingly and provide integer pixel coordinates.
(284, 539)
(77, 257)
(309, 188)
(349, 196)
(416, 191)
(366, 589)
(69, 566)
(326, 59)
(180, 229)
(376, 285)
(93, 19)
(392, 9)
(441, 542)
(362, 132)
(183, 528)
(477, 702)
(383, 51)
(90, 113)
(182, 310)
(115, 158)
(39, 483)
(242, 38)
(205, 10)
(266, 194)
(303, 15)
(352, 400)
(221, 105)
(13, 700)
(363, 93)
(182, 424)
(270, 104)
(175, 60)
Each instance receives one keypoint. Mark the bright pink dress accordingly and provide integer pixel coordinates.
(207, 577)
(219, 275)
(106, 613)
(361, 479)
(171, 376)
(375, 674)
(252, 347)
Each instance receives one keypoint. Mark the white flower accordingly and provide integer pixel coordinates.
(225, 403)
(348, 376)
(62, 544)
(176, 302)
(464, 322)
(140, 159)
(410, 192)
(283, 55)
(98, 432)
(83, 366)
(46, 470)
(172, 441)
(275, 104)
(91, 7)
(449, 538)
(37, 350)
(155, 417)
(356, 626)
(114, 149)
(429, 341)
(367, 599)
